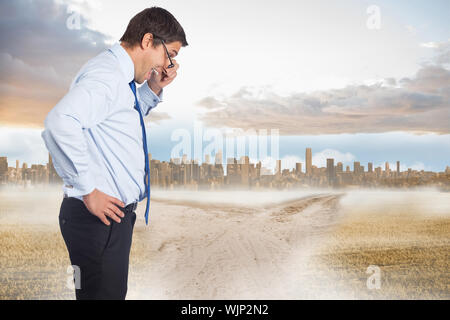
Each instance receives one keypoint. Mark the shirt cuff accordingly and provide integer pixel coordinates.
(149, 99)
(79, 186)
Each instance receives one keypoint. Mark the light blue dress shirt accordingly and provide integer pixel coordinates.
(94, 134)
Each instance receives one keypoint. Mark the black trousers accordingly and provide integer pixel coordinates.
(100, 252)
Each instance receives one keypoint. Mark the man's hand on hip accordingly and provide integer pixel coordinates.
(101, 205)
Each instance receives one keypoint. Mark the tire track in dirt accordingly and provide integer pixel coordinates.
(243, 250)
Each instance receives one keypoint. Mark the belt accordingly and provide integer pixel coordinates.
(129, 208)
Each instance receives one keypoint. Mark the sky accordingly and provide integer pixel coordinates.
(364, 81)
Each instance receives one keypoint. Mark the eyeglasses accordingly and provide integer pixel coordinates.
(171, 65)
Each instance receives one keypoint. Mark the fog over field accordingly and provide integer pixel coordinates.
(284, 244)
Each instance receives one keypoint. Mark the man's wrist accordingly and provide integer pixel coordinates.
(156, 89)
(84, 196)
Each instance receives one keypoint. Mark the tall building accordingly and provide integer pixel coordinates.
(331, 173)
(370, 167)
(398, 166)
(258, 169)
(207, 158)
(18, 172)
(3, 169)
(278, 168)
(386, 166)
(308, 159)
(298, 167)
(245, 170)
(356, 167)
(25, 173)
(339, 167)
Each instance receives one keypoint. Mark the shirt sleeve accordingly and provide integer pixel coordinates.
(147, 98)
(87, 103)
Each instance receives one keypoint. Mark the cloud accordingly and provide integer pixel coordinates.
(319, 159)
(36, 33)
(431, 44)
(419, 104)
(156, 117)
(40, 55)
(443, 53)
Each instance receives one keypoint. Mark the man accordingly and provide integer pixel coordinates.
(96, 137)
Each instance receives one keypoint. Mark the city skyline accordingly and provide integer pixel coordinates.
(214, 173)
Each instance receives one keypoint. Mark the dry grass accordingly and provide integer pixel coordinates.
(412, 252)
(33, 263)
(197, 251)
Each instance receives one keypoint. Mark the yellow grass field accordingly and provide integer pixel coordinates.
(301, 244)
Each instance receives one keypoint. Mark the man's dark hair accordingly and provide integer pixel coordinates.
(157, 21)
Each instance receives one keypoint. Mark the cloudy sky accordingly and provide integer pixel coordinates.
(353, 80)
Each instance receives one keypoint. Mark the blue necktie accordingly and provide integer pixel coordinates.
(144, 137)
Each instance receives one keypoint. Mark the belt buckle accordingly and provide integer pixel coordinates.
(130, 207)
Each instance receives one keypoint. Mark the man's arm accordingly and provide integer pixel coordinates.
(148, 98)
(85, 105)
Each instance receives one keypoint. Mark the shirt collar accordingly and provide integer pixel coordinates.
(125, 62)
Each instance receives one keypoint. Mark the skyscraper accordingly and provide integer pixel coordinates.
(308, 161)
(356, 167)
(339, 167)
(3, 169)
(298, 167)
(278, 168)
(245, 170)
(331, 173)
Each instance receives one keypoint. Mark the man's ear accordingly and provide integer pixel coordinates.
(147, 41)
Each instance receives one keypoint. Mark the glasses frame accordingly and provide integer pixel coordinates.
(171, 65)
